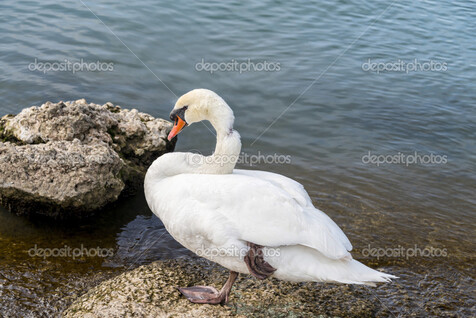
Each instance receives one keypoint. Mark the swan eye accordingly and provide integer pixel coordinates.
(178, 113)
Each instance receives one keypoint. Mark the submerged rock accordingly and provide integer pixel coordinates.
(72, 158)
(151, 291)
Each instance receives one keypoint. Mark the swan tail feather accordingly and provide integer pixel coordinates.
(300, 264)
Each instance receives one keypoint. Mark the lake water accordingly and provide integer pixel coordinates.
(370, 104)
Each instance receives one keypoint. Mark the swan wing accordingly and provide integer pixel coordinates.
(298, 193)
(269, 210)
(293, 188)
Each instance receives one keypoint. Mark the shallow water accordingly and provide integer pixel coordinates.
(321, 110)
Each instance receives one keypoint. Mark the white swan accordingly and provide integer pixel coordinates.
(251, 222)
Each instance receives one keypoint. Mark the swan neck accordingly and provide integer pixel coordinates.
(228, 145)
(222, 146)
(227, 151)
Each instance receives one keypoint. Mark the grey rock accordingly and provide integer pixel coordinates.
(73, 158)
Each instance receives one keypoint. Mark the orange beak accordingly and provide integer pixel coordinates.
(178, 126)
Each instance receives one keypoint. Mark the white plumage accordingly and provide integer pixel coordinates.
(214, 210)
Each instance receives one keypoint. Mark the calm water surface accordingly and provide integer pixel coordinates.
(323, 109)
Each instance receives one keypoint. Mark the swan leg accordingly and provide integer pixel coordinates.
(209, 295)
(256, 264)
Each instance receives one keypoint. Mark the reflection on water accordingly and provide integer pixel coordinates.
(345, 114)
(143, 241)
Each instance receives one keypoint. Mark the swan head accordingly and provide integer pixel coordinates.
(201, 104)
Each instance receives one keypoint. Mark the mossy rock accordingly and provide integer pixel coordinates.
(151, 291)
